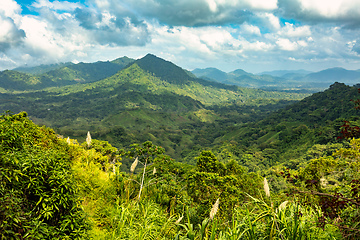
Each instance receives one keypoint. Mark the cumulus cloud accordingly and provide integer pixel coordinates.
(345, 12)
(10, 34)
(286, 44)
(115, 26)
(356, 46)
(187, 31)
(250, 29)
(289, 30)
(9, 8)
(195, 12)
(269, 21)
(56, 5)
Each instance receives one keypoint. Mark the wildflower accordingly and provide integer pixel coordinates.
(133, 166)
(266, 188)
(68, 141)
(214, 209)
(154, 171)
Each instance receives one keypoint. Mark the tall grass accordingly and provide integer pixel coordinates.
(140, 220)
(289, 220)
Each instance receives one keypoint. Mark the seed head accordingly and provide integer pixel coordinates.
(134, 164)
(88, 139)
(179, 220)
(266, 188)
(214, 209)
(283, 205)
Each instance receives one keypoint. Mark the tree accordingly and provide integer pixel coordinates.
(144, 155)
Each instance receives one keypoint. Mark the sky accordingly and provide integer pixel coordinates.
(253, 35)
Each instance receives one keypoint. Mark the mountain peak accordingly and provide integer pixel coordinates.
(163, 69)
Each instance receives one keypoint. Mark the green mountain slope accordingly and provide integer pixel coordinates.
(141, 103)
(18, 81)
(60, 75)
(289, 134)
(42, 68)
(88, 72)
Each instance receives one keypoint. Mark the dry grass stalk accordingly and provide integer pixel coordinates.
(283, 205)
(88, 139)
(214, 209)
(134, 164)
(179, 220)
(266, 188)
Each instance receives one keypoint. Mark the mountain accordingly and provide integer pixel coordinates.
(334, 75)
(165, 70)
(211, 73)
(284, 73)
(153, 99)
(150, 99)
(14, 80)
(61, 74)
(42, 68)
(294, 80)
(239, 72)
(293, 134)
(242, 78)
(88, 72)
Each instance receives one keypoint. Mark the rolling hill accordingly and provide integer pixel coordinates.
(149, 99)
(153, 99)
(58, 75)
(283, 79)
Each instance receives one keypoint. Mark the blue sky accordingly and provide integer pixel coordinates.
(254, 35)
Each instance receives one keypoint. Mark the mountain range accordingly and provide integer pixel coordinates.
(129, 101)
(282, 79)
(39, 77)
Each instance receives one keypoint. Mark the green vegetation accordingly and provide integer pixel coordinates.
(175, 157)
(46, 76)
(56, 188)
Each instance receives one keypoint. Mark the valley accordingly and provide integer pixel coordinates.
(201, 136)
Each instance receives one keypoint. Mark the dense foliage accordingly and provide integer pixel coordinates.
(55, 188)
(174, 157)
(37, 192)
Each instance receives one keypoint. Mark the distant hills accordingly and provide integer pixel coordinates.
(148, 99)
(57, 75)
(42, 68)
(284, 73)
(129, 101)
(282, 79)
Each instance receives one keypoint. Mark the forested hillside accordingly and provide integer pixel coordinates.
(152, 152)
(297, 80)
(55, 188)
(151, 99)
(42, 77)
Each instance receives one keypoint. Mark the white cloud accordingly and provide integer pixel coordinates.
(269, 20)
(224, 32)
(56, 5)
(250, 29)
(9, 8)
(286, 44)
(331, 8)
(263, 5)
(289, 30)
(342, 12)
